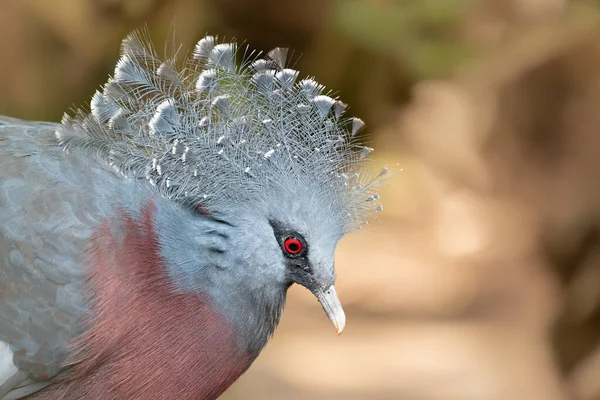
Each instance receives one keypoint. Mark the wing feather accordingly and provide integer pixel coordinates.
(49, 205)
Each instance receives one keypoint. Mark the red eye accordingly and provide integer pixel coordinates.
(293, 245)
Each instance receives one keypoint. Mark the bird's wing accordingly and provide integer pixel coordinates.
(43, 232)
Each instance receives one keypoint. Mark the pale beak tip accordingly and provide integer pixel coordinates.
(341, 323)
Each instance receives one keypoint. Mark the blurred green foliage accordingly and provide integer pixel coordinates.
(423, 35)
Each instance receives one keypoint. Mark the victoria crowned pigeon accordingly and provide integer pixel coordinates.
(146, 246)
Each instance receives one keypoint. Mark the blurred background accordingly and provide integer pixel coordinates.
(481, 277)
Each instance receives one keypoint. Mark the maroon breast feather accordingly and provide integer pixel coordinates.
(146, 340)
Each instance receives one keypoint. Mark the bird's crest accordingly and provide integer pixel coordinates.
(218, 132)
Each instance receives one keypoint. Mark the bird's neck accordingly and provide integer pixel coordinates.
(146, 339)
(254, 315)
(201, 255)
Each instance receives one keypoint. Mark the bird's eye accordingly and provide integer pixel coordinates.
(293, 246)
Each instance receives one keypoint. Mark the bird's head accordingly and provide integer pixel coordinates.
(290, 238)
(265, 171)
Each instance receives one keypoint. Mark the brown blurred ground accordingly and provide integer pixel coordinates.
(481, 279)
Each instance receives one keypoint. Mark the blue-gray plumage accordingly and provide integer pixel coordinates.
(160, 232)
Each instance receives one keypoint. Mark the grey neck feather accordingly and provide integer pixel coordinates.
(202, 256)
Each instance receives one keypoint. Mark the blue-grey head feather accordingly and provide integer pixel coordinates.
(217, 133)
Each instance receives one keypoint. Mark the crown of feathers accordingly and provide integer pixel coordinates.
(219, 132)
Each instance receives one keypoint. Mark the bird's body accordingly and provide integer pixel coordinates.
(146, 248)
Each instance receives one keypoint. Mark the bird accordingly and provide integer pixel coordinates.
(148, 240)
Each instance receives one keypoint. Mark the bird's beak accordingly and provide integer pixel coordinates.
(331, 304)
